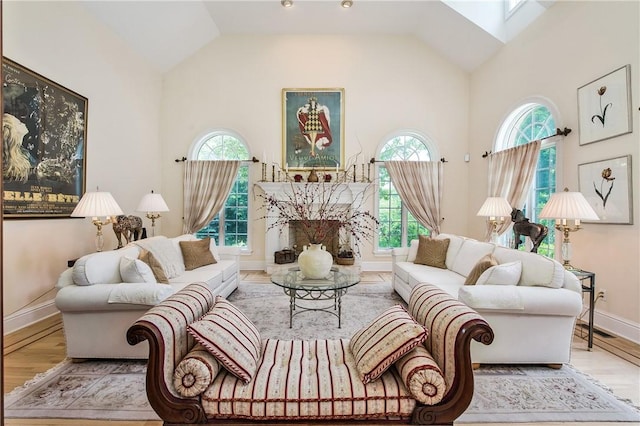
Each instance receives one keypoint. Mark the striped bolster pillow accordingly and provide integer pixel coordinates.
(388, 337)
(195, 372)
(231, 337)
(422, 376)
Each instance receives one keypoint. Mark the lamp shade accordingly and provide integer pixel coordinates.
(96, 204)
(495, 207)
(568, 205)
(152, 203)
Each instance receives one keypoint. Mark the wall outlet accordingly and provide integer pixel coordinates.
(602, 294)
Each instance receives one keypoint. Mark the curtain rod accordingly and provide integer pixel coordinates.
(559, 132)
(183, 159)
(373, 160)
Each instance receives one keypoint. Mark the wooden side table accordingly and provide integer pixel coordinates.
(588, 283)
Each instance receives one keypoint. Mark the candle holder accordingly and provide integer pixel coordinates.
(264, 172)
(273, 173)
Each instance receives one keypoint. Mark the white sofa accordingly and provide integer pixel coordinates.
(98, 306)
(532, 317)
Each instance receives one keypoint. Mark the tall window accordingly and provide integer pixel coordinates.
(230, 227)
(527, 123)
(397, 226)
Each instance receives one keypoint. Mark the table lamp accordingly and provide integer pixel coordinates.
(96, 205)
(152, 204)
(496, 209)
(568, 206)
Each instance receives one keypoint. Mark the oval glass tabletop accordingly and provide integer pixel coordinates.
(294, 279)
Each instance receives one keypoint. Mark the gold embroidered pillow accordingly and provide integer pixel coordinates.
(387, 338)
(432, 252)
(196, 253)
(231, 337)
(148, 258)
(482, 265)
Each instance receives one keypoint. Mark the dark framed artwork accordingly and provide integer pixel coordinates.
(313, 129)
(604, 106)
(607, 187)
(44, 134)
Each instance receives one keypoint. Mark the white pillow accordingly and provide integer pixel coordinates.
(214, 249)
(135, 271)
(504, 274)
(413, 250)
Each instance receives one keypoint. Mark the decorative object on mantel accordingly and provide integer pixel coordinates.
(563, 207)
(152, 204)
(96, 205)
(496, 209)
(537, 232)
(297, 177)
(313, 176)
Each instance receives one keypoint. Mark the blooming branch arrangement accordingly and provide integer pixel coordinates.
(606, 177)
(317, 208)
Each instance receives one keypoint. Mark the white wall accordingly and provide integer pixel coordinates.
(390, 83)
(62, 42)
(569, 46)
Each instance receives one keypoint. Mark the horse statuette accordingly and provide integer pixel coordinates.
(537, 232)
(129, 227)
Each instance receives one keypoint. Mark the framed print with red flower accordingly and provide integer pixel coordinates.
(604, 106)
(607, 187)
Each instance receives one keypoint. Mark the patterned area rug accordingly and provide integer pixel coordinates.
(114, 390)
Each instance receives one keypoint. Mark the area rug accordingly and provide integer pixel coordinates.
(114, 390)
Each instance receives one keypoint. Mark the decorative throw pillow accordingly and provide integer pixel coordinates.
(148, 258)
(388, 337)
(483, 264)
(135, 271)
(432, 252)
(196, 253)
(503, 274)
(214, 249)
(231, 337)
(421, 374)
(195, 372)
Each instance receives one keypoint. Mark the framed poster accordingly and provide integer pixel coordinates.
(604, 106)
(44, 135)
(313, 129)
(607, 187)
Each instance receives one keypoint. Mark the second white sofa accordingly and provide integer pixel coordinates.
(105, 292)
(532, 309)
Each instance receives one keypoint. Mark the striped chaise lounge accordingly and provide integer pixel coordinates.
(313, 380)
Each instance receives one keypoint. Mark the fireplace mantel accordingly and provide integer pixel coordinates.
(347, 193)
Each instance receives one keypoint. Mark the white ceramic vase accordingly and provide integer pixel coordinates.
(315, 261)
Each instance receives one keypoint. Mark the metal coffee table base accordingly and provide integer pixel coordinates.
(315, 295)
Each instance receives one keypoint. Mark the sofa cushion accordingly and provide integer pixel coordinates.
(385, 339)
(422, 376)
(537, 270)
(101, 267)
(432, 252)
(468, 255)
(455, 242)
(503, 274)
(158, 272)
(140, 293)
(135, 271)
(195, 372)
(196, 254)
(483, 264)
(166, 252)
(413, 274)
(231, 337)
(492, 297)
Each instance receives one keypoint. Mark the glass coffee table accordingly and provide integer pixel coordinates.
(328, 289)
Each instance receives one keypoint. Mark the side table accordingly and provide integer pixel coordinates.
(588, 283)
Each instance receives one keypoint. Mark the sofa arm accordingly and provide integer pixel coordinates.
(399, 254)
(571, 282)
(229, 253)
(65, 279)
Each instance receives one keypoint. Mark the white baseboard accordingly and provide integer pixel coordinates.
(613, 324)
(28, 316)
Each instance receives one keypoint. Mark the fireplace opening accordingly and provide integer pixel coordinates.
(299, 239)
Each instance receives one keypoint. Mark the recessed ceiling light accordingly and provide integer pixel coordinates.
(286, 3)
(347, 3)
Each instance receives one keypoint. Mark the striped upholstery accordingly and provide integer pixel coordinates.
(171, 318)
(195, 372)
(444, 317)
(422, 376)
(307, 380)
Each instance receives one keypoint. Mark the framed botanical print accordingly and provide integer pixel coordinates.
(604, 106)
(44, 135)
(607, 187)
(313, 129)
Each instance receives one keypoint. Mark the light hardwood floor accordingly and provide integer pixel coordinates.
(620, 373)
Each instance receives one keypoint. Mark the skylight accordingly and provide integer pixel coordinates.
(510, 6)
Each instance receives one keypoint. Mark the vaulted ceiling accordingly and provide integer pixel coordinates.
(167, 32)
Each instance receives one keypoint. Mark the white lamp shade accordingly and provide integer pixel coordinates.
(96, 204)
(152, 203)
(495, 207)
(568, 205)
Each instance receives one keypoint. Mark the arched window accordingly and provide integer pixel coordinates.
(532, 121)
(230, 227)
(397, 226)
